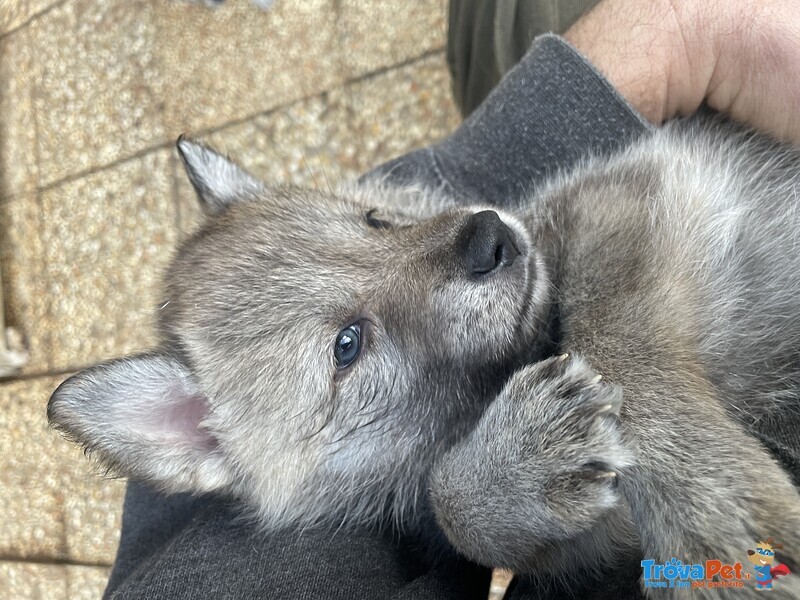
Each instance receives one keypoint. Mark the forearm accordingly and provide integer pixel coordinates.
(642, 49)
(667, 57)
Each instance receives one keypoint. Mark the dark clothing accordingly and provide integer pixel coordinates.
(486, 38)
(184, 547)
(550, 110)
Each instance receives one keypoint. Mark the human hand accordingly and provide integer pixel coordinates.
(666, 57)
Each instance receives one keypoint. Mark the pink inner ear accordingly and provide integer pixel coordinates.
(182, 416)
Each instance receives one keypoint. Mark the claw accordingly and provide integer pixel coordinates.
(609, 476)
(600, 471)
(563, 357)
(596, 379)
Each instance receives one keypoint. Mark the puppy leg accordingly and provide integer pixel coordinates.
(702, 488)
(535, 486)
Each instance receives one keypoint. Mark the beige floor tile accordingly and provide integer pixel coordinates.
(107, 238)
(22, 269)
(86, 583)
(26, 581)
(54, 503)
(18, 160)
(97, 89)
(383, 33)
(82, 263)
(236, 61)
(92, 513)
(401, 110)
(14, 13)
(333, 138)
(338, 134)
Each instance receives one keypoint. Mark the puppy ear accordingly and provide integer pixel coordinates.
(218, 181)
(145, 418)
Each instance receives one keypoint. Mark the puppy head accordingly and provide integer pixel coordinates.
(318, 350)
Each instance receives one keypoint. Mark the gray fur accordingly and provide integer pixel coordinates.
(676, 273)
(671, 269)
(252, 305)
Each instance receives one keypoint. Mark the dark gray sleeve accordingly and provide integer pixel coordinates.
(180, 547)
(550, 110)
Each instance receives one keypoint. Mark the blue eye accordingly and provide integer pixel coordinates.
(347, 346)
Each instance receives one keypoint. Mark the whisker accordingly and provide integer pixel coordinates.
(308, 168)
(328, 183)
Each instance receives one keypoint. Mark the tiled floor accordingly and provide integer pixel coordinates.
(93, 94)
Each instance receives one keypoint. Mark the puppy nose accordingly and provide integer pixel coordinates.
(490, 244)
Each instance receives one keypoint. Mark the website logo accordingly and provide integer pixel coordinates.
(714, 573)
(767, 570)
(709, 574)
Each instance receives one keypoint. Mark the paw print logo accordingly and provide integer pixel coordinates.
(763, 557)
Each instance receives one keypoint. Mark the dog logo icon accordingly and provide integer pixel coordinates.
(763, 557)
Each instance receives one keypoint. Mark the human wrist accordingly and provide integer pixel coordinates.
(660, 55)
(667, 57)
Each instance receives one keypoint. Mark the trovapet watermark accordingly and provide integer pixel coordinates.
(714, 573)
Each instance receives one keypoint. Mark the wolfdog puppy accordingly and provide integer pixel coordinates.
(361, 356)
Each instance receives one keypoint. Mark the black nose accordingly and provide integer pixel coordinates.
(490, 244)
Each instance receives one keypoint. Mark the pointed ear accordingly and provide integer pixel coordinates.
(218, 181)
(145, 418)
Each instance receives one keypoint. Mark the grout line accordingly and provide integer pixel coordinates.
(210, 130)
(92, 170)
(403, 63)
(41, 375)
(31, 19)
(347, 82)
(65, 562)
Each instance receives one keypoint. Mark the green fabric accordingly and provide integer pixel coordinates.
(487, 37)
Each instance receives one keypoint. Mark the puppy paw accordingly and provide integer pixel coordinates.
(567, 417)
